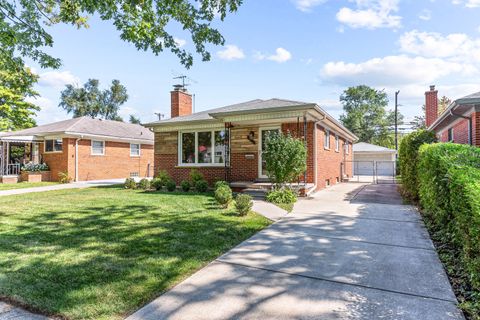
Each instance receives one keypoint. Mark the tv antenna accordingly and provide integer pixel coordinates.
(186, 81)
(159, 115)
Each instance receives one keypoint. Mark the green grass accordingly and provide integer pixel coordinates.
(22, 185)
(101, 253)
(285, 206)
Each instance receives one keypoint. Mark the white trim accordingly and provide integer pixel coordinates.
(260, 129)
(337, 143)
(212, 142)
(91, 148)
(326, 138)
(139, 150)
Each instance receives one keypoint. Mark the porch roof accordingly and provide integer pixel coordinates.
(24, 139)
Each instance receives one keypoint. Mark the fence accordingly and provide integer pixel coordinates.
(369, 171)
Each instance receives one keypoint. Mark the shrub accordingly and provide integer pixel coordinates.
(449, 191)
(185, 184)
(282, 196)
(130, 183)
(223, 195)
(285, 157)
(220, 183)
(144, 184)
(201, 186)
(31, 167)
(196, 176)
(171, 185)
(157, 184)
(243, 204)
(63, 177)
(164, 177)
(408, 158)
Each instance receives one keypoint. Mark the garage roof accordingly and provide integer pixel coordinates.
(367, 147)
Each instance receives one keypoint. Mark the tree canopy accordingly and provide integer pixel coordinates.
(15, 87)
(89, 100)
(365, 114)
(134, 120)
(146, 24)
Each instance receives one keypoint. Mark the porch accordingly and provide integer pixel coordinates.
(16, 151)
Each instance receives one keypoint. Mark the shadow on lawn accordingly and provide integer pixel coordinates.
(95, 261)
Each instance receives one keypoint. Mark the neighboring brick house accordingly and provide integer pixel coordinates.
(85, 148)
(459, 123)
(226, 143)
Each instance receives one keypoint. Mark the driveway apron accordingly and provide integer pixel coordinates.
(352, 251)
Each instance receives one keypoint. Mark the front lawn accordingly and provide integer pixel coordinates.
(101, 253)
(22, 185)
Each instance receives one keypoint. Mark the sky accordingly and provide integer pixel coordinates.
(306, 50)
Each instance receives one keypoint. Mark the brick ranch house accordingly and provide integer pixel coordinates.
(226, 143)
(459, 123)
(85, 148)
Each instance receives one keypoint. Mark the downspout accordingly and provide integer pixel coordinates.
(470, 126)
(76, 157)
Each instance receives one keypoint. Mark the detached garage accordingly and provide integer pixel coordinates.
(369, 158)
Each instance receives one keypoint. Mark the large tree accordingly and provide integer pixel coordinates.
(145, 23)
(15, 87)
(365, 114)
(89, 100)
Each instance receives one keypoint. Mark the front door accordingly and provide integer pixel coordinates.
(264, 132)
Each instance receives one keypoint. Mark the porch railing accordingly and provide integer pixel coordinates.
(12, 169)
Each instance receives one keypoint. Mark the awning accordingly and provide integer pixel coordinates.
(25, 139)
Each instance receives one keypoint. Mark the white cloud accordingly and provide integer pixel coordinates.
(456, 46)
(468, 3)
(231, 52)
(57, 79)
(371, 14)
(307, 5)
(49, 112)
(425, 15)
(180, 42)
(125, 112)
(281, 55)
(392, 70)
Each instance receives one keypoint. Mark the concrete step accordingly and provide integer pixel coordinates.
(257, 194)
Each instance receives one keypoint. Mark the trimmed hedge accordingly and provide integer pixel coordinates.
(408, 159)
(449, 193)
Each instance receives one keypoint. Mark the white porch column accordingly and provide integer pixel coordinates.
(7, 157)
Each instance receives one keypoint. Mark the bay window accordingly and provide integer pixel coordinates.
(202, 147)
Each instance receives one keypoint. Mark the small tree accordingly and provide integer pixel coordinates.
(285, 157)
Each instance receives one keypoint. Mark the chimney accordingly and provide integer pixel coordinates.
(431, 106)
(181, 102)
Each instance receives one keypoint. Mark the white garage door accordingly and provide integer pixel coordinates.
(364, 164)
(363, 168)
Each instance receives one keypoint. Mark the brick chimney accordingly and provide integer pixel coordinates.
(431, 106)
(181, 102)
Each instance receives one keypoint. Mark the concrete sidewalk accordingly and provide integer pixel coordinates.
(73, 185)
(344, 254)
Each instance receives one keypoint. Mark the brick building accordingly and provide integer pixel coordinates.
(84, 148)
(226, 143)
(459, 123)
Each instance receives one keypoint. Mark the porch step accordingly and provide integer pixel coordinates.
(257, 194)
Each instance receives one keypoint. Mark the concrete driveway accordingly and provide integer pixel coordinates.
(353, 251)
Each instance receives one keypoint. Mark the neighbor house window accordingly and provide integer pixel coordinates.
(203, 147)
(327, 139)
(337, 143)
(98, 148)
(450, 135)
(134, 150)
(53, 145)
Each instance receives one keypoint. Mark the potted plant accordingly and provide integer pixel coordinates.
(35, 172)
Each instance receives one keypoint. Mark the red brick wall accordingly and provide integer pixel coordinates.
(330, 161)
(181, 103)
(460, 131)
(476, 128)
(59, 161)
(115, 164)
(431, 106)
(296, 129)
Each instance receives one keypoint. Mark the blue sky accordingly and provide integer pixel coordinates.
(308, 50)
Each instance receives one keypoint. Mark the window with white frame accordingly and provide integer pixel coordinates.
(202, 147)
(53, 145)
(98, 147)
(450, 135)
(134, 149)
(347, 147)
(337, 143)
(326, 142)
